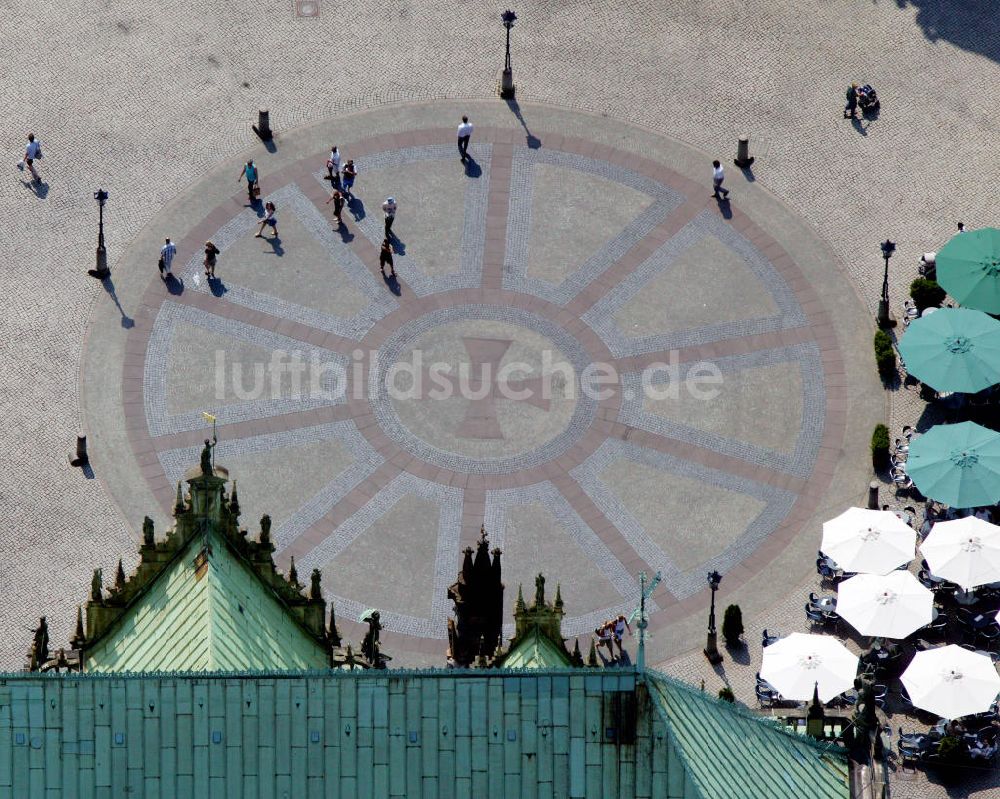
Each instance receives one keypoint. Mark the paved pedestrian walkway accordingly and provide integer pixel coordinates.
(583, 242)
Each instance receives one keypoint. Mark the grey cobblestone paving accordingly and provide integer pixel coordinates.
(290, 200)
(474, 227)
(799, 462)
(520, 218)
(449, 501)
(600, 317)
(680, 583)
(155, 378)
(397, 344)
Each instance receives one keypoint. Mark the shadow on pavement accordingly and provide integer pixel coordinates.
(532, 141)
(972, 25)
(109, 287)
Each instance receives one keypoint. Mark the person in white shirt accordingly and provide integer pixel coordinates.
(167, 253)
(389, 209)
(464, 134)
(717, 177)
(333, 167)
(31, 152)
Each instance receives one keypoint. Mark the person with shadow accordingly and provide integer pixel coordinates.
(718, 175)
(347, 179)
(253, 177)
(389, 209)
(464, 134)
(167, 253)
(211, 251)
(385, 259)
(269, 219)
(338, 206)
(32, 153)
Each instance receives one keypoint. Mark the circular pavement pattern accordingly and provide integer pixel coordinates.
(520, 273)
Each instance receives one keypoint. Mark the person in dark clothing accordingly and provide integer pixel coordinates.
(338, 205)
(385, 259)
(852, 101)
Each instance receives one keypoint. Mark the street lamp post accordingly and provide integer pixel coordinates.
(711, 644)
(508, 18)
(102, 271)
(884, 320)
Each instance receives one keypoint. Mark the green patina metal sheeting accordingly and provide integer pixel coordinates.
(420, 735)
(218, 619)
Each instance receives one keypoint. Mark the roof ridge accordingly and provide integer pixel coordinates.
(745, 712)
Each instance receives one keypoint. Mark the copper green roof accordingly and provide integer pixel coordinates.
(206, 611)
(729, 751)
(535, 651)
(492, 733)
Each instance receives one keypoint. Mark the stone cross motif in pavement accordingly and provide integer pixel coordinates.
(485, 355)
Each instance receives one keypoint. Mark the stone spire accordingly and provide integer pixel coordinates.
(96, 583)
(119, 578)
(179, 506)
(78, 636)
(477, 595)
(293, 574)
(333, 634)
(315, 590)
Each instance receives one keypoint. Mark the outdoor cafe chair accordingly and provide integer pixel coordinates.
(767, 639)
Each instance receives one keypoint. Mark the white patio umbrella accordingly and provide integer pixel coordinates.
(965, 551)
(951, 681)
(796, 663)
(890, 606)
(869, 541)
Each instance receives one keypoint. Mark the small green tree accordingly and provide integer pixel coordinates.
(732, 625)
(725, 692)
(880, 446)
(926, 293)
(885, 355)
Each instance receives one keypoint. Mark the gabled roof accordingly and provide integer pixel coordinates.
(724, 747)
(206, 611)
(535, 651)
(205, 597)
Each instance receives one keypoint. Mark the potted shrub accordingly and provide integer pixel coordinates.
(885, 355)
(732, 626)
(725, 692)
(926, 293)
(880, 447)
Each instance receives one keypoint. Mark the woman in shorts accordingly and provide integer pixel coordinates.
(269, 219)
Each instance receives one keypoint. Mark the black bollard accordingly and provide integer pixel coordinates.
(743, 159)
(263, 126)
(873, 495)
(81, 458)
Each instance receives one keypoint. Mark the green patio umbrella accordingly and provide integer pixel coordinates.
(957, 464)
(953, 349)
(968, 268)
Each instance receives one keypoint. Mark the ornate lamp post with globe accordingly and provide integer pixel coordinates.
(508, 18)
(884, 320)
(711, 644)
(101, 271)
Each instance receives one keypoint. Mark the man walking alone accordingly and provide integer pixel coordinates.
(464, 134)
(717, 177)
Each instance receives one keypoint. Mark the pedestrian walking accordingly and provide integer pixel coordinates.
(620, 625)
(717, 177)
(333, 167)
(385, 259)
(32, 153)
(389, 209)
(604, 636)
(852, 101)
(347, 178)
(464, 134)
(253, 180)
(961, 227)
(211, 251)
(338, 205)
(167, 253)
(269, 219)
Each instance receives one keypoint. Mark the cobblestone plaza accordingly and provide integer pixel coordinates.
(586, 227)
